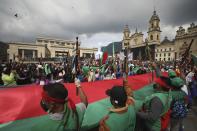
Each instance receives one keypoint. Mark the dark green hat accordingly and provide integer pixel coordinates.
(177, 82)
(171, 73)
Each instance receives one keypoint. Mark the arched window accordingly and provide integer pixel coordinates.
(152, 25)
(151, 37)
(157, 37)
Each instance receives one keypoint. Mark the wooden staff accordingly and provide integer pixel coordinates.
(125, 78)
(76, 62)
(175, 60)
(186, 54)
(148, 53)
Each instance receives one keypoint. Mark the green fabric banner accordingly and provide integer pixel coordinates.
(86, 69)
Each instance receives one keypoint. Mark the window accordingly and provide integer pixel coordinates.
(169, 49)
(165, 49)
(14, 57)
(157, 50)
(164, 54)
(161, 49)
(156, 55)
(151, 37)
(125, 44)
(152, 25)
(157, 37)
(164, 59)
(40, 41)
(160, 55)
(159, 59)
(168, 59)
(169, 54)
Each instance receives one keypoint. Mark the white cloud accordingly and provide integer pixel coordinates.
(100, 39)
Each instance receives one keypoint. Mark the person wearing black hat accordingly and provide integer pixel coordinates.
(55, 102)
(120, 117)
(155, 107)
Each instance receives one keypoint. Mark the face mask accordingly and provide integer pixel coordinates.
(56, 116)
(44, 106)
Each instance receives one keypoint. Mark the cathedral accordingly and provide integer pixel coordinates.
(136, 44)
(158, 50)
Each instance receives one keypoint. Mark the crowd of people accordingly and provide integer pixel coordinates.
(163, 109)
(13, 74)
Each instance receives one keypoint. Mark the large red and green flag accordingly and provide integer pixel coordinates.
(20, 107)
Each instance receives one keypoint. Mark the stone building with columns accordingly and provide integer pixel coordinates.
(183, 38)
(165, 51)
(3, 52)
(171, 50)
(45, 48)
(135, 42)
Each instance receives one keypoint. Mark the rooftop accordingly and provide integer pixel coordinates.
(166, 41)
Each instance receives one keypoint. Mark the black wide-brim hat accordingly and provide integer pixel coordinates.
(118, 95)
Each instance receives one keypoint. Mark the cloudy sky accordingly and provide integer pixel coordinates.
(96, 22)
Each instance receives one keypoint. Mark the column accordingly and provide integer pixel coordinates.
(33, 54)
(23, 54)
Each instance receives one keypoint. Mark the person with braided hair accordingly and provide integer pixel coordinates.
(63, 114)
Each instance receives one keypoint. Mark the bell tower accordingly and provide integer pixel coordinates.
(126, 37)
(154, 28)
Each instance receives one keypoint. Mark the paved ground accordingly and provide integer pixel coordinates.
(190, 123)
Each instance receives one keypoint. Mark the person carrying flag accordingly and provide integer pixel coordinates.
(155, 110)
(55, 102)
(121, 116)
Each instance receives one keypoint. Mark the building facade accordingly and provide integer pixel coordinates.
(3, 52)
(165, 51)
(161, 51)
(171, 50)
(135, 42)
(183, 38)
(45, 48)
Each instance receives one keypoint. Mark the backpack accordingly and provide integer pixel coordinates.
(179, 109)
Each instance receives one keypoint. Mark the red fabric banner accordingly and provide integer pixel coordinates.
(105, 56)
(24, 102)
